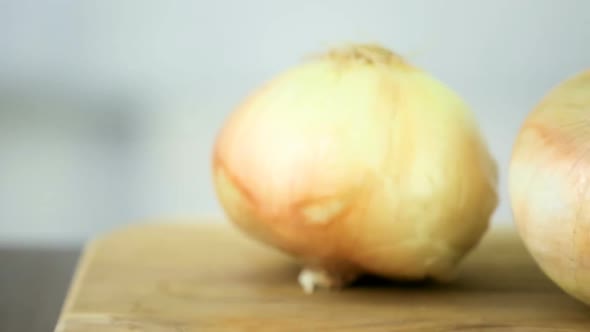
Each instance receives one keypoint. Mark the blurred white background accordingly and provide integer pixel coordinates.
(108, 109)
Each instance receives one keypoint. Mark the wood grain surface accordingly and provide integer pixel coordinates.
(180, 277)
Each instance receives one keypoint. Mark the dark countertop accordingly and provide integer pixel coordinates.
(33, 285)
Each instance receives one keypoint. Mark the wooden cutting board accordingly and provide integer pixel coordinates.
(179, 277)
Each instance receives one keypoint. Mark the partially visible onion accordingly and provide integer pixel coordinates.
(357, 162)
(550, 185)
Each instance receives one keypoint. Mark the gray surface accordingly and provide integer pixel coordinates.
(33, 284)
(115, 104)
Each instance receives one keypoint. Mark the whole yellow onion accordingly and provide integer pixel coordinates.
(550, 185)
(356, 162)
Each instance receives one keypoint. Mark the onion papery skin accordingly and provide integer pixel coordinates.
(356, 162)
(550, 185)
